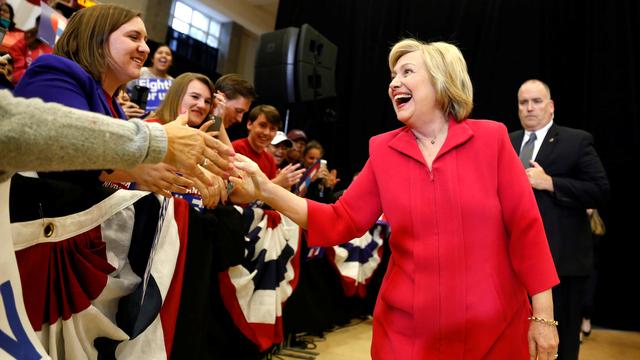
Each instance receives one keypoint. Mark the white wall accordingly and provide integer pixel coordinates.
(247, 55)
(25, 14)
(254, 18)
(136, 5)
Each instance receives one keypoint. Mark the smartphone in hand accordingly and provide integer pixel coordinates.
(139, 95)
(217, 122)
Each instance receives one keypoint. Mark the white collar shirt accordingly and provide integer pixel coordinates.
(540, 134)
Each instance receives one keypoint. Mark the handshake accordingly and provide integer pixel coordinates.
(194, 160)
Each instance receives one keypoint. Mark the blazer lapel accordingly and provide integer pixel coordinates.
(516, 141)
(104, 103)
(405, 142)
(548, 144)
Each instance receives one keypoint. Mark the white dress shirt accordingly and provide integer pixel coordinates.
(540, 134)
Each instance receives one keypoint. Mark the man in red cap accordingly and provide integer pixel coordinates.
(299, 139)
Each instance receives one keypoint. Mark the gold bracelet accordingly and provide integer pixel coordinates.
(544, 321)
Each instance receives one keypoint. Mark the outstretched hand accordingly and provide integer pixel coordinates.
(329, 178)
(160, 178)
(220, 103)
(249, 182)
(188, 148)
(214, 194)
(217, 151)
(253, 184)
(289, 176)
(132, 110)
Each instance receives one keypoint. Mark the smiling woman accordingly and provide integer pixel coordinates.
(467, 244)
(101, 49)
(191, 93)
(194, 94)
(160, 63)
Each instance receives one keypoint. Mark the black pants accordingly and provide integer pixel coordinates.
(568, 299)
(589, 295)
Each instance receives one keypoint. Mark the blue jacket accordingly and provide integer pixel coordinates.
(54, 78)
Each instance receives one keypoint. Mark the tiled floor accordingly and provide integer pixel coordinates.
(352, 343)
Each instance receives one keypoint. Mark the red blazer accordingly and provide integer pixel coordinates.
(467, 243)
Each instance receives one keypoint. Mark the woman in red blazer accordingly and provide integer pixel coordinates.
(467, 242)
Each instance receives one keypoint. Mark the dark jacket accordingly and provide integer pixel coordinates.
(579, 182)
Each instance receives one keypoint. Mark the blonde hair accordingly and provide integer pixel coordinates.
(597, 225)
(85, 39)
(170, 107)
(448, 71)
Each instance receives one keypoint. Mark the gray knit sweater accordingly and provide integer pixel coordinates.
(50, 137)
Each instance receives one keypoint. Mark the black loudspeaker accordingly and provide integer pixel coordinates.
(274, 77)
(295, 65)
(314, 82)
(316, 63)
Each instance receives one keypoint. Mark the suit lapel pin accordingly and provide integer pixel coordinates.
(552, 140)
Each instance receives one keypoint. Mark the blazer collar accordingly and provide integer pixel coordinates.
(406, 143)
(104, 102)
(516, 140)
(548, 143)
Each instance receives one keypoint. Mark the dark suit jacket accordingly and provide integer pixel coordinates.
(579, 182)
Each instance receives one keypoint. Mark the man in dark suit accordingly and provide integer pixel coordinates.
(567, 178)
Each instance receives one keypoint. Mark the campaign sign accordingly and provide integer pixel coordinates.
(157, 90)
(51, 26)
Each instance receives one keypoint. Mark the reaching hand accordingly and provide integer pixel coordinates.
(250, 182)
(212, 195)
(218, 192)
(160, 178)
(132, 110)
(189, 147)
(329, 178)
(289, 176)
(220, 104)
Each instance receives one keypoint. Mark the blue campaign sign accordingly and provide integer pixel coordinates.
(157, 90)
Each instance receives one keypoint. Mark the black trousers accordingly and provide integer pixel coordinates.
(568, 300)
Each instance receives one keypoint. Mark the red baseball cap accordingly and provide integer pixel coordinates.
(297, 134)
